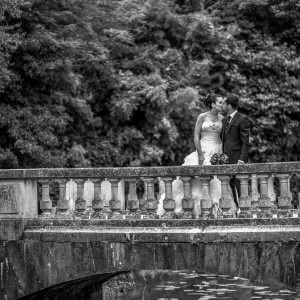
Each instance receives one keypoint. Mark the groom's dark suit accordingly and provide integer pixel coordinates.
(235, 143)
(235, 138)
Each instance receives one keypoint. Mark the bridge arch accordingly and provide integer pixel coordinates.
(89, 287)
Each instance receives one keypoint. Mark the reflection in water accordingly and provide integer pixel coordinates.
(185, 285)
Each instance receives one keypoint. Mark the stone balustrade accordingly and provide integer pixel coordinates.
(114, 193)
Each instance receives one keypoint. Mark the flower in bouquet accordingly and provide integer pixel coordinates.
(219, 159)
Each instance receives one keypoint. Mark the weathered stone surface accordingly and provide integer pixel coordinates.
(168, 215)
(38, 253)
(158, 223)
(43, 253)
(18, 198)
(11, 229)
(8, 198)
(245, 203)
(166, 232)
(105, 193)
(27, 205)
(267, 168)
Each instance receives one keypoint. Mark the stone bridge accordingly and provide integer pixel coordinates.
(59, 226)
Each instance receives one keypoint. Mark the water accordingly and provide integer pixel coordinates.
(186, 285)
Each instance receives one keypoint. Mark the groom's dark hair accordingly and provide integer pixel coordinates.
(233, 100)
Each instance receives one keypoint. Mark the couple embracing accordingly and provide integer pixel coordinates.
(230, 135)
(215, 133)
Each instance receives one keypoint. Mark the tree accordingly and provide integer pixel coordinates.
(120, 83)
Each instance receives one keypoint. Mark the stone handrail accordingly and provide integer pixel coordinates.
(19, 197)
(267, 168)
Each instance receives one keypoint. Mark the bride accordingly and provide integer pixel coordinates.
(207, 142)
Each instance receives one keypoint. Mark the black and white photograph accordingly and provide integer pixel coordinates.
(149, 149)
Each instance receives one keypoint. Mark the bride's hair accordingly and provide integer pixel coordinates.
(210, 99)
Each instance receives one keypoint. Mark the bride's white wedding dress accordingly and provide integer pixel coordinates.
(210, 143)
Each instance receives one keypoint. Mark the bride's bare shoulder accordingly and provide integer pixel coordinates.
(202, 116)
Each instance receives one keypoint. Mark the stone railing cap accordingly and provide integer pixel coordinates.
(264, 168)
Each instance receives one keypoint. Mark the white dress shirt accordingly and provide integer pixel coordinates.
(232, 115)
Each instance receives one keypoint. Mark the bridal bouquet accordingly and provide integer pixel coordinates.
(219, 159)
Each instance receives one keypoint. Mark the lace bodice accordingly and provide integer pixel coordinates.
(210, 142)
(210, 132)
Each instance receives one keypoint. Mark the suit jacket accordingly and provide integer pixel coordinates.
(235, 138)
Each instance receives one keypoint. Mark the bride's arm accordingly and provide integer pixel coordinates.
(197, 136)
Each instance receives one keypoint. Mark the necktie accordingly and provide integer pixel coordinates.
(228, 118)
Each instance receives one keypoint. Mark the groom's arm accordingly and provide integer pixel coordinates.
(244, 136)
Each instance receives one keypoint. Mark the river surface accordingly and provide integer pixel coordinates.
(186, 285)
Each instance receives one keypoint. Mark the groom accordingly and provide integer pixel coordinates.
(235, 138)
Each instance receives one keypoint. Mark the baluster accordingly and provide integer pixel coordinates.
(133, 201)
(284, 201)
(161, 196)
(244, 200)
(145, 196)
(161, 186)
(264, 201)
(88, 196)
(168, 202)
(45, 203)
(80, 203)
(71, 192)
(150, 205)
(254, 191)
(289, 187)
(63, 204)
(205, 200)
(187, 201)
(226, 197)
(98, 203)
(271, 193)
(115, 202)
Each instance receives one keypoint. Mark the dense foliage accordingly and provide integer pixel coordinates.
(120, 82)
